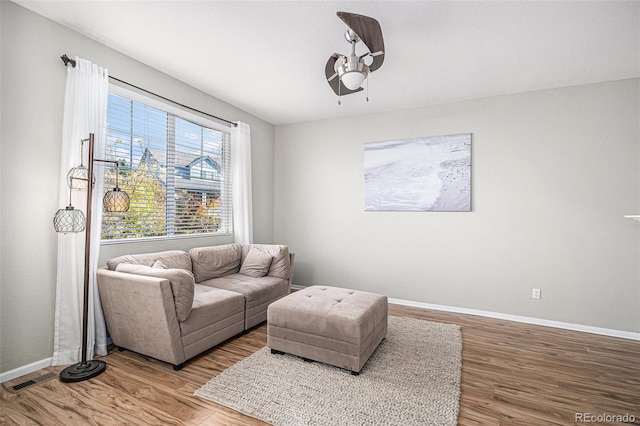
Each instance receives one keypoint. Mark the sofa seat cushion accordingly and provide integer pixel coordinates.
(215, 261)
(211, 306)
(175, 259)
(182, 284)
(255, 290)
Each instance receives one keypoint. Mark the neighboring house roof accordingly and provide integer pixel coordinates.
(182, 158)
(182, 161)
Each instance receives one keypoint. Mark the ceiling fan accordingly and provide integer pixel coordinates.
(345, 74)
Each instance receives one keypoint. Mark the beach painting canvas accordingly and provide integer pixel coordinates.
(419, 174)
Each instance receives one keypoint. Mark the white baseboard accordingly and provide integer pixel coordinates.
(508, 317)
(529, 320)
(35, 366)
(25, 369)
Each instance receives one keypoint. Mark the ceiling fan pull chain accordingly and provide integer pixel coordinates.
(368, 88)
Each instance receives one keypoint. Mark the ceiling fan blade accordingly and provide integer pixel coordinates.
(369, 31)
(334, 82)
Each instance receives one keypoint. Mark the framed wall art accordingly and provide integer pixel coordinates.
(418, 174)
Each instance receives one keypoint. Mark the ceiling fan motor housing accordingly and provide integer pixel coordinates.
(352, 72)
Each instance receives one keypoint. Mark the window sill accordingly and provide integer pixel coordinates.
(163, 238)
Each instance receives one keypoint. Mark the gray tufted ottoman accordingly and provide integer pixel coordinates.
(333, 325)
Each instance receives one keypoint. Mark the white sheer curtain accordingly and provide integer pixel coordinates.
(85, 111)
(241, 166)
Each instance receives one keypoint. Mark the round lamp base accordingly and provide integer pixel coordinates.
(83, 371)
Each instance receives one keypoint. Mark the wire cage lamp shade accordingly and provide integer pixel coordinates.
(116, 201)
(69, 220)
(78, 177)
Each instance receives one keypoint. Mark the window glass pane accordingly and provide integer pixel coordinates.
(197, 170)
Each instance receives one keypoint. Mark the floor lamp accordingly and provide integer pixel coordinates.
(72, 220)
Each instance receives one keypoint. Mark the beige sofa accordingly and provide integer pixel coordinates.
(173, 305)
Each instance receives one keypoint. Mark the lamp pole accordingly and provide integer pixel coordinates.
(87, 250)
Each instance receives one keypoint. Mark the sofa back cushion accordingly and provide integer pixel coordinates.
(280, 265)
(175, 259)
(256, 263)
(182, 284)
(215, 261)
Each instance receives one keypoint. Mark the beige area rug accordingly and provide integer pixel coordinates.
(413, 378)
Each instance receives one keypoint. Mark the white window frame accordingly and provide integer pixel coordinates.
(194, 118)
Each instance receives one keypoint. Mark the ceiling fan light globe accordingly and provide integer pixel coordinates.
(353, 79)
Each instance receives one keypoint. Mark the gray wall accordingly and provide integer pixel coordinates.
(33, 84)
(553, 174)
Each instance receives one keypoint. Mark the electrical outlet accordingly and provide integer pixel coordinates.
(536, 293)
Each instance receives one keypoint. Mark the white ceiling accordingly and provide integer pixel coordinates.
(268, 57)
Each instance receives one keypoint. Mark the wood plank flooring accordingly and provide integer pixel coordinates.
(512, 374)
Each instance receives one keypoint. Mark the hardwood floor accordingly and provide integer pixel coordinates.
(512, 374)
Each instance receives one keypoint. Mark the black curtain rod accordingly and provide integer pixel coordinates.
(68, 61)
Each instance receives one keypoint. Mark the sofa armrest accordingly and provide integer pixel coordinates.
(140, 314)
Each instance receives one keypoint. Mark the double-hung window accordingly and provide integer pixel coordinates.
(175, 167)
